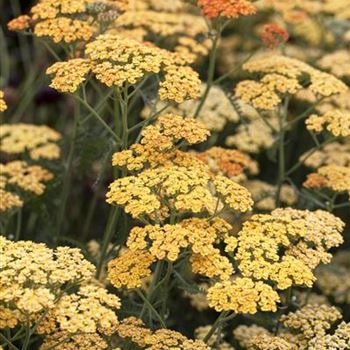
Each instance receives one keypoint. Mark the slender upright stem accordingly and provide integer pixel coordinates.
(107, 237)
(68, 172)
(281, 151)
(215, 326)
(18, 225)
(211, 72)
(151, 308)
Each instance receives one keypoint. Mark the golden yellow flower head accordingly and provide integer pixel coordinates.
(305, 237)
(233, 195)
(337, 122)
(155, 192)
(130, 268)
(3, 105)
(69, 75)
(333, 177)
(284, 76)
(159, 143)
(64, 29)
(116, 61)
(242, 295)
(69, 21)
(39, 141)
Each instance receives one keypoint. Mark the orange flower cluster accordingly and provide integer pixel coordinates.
(226, 8)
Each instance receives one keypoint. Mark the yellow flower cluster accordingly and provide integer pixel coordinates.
(32, 275)
(116, 61)
(233, 195)
(155, 192)
(305, 237)
(242, 295)
(334, 279)
(130, 268)
(20, 175)
(69, 75)
(333, 177)
(227, 162)
(90, 310)
(263, 194)
(159, 143)
(68, 21)
(39, 141)
(283, 76)
(3, 105)
(200, 235)
(64, 29)
(337, 122)
(334, 153)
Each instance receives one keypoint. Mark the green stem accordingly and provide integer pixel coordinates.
(107, 237)
(18, 225)
(154, 284)
(8, 342)
(151, 308)
(99, 118)
(281, 152)
(308, 155)
(68, 172)
(211, 72)
(215, 326)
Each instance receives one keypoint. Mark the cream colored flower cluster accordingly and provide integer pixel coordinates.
(134, 330)
(215, 113)
(305, 329)
(282, 76)
(33, 276)
(186, 31)
(21, 176)
(39, 141)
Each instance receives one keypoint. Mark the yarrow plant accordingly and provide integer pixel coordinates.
(175, 175)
